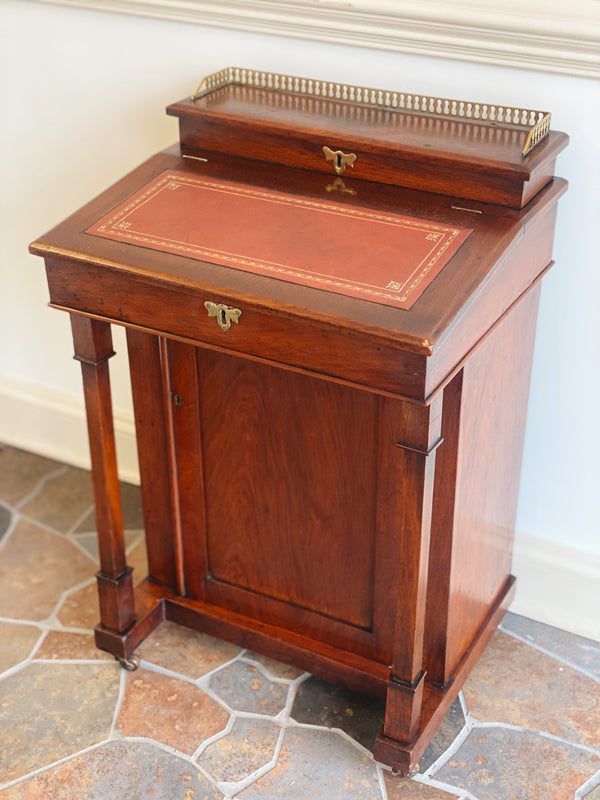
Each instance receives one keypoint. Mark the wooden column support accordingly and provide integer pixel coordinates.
(93, 347)
(420, 429)
(403, 708)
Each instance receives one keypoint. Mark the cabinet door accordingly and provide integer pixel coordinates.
(278, 486)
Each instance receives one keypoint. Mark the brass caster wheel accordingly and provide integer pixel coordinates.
(130, 664)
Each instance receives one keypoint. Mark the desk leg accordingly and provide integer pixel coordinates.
(417, 431)
(93, 348)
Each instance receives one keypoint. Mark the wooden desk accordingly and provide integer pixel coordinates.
(328, 477)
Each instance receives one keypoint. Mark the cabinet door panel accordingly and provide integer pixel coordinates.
(290, 475)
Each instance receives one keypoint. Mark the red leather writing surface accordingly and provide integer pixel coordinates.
(383, 257)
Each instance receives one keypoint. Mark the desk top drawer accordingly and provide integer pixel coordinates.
(215, 319)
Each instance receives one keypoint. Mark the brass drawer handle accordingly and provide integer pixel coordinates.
(225, 315)
(340, 160)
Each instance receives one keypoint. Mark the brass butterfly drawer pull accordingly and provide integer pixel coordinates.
(224, 315)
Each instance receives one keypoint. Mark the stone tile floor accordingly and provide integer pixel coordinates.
(202, 719)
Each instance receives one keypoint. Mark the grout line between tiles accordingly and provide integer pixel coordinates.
(41, 625)
(89, 661)
(545, 734)
(44, 526)
(113, 733)
(285, 721)
(15, 668)
(48, 625)
(58, 627)
(165, 748)
(41, 639)
(382, 787)
(549, 653)
(77, 586)
(460, 794)
(463, 706)
(55, 473)
(292, 723)
(231, 789)
(286, 713)
(52, 619)
(262, 669)
(203, 683)
(15, 517)
(26, 661)
(275, 718)
(161, 746)
(77, 544)
(591, 783)
(203, 747)
(46, 767)
(266, 672)
(199, 751)
(80, 519)
(450, 751)
(168, 673)
(208, 675)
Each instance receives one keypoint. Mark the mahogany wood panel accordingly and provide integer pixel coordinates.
(418, 438)
(403, 710)
(442, 530)
(437, 701)
(492, 428)
(326, 660)
(290, 486)
(443, 155)
(418, 432)
(152, 435)
(477, 487)
(149, 613)
(115, 600)
(261, 333)
(376, 164)
(517, 269)
(186, 448)
(93, 348)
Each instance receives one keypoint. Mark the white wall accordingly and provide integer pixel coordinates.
(83, 97)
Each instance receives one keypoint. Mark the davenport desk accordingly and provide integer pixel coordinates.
(330, 299)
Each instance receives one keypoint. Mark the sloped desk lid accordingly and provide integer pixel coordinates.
(387, 258)
(447, 295)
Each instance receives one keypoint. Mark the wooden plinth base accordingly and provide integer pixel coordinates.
(156, 603)
(150, 612)
(437, 700)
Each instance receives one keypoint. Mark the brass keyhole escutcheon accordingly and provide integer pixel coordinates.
(224, 315)
(340, 160)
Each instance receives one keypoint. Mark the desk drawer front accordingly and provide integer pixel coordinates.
(210, 318)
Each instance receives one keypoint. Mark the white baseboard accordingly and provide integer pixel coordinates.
(555, 584)
(52, 423)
